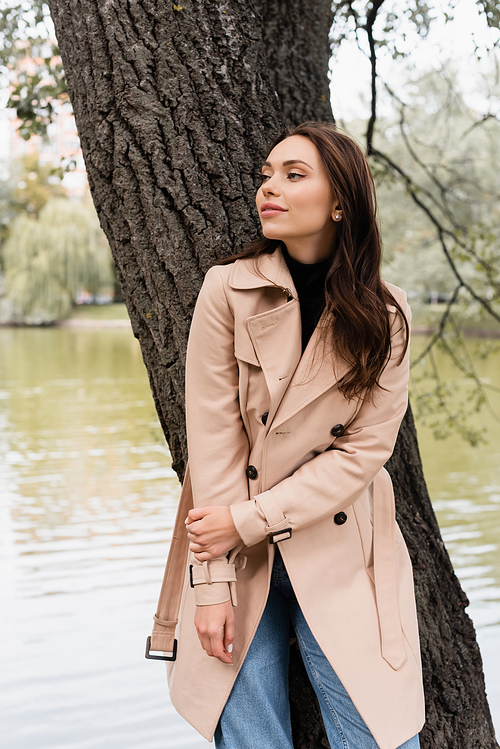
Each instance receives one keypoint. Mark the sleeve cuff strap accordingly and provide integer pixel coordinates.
(208, 595)
(249, 521)
(256, 518)
(214, 582)
(212, 573)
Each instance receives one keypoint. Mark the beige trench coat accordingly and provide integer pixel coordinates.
(316, 455)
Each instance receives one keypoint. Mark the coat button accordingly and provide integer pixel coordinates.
(337, 430)
(251, 472)
(263, 418)
(340, 518)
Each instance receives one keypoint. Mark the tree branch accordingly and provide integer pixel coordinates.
(370, 20)
(441, 232)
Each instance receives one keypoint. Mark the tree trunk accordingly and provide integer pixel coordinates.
(296, 40)
(174, 110)
(174, 107)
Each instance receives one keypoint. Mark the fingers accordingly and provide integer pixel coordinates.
(211, 624)
(212, 551)
(218, 649)
(212, 642)
(203, 552)
(197, 513)
(204, 556)
(211, 531)
(203, 547)
(229, 636)
(193, 529)
(195, 534)
(196, 543)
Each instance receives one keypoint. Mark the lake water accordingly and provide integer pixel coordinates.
(87, 503)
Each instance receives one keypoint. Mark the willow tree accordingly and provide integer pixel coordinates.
(48, 259)
(175, 105)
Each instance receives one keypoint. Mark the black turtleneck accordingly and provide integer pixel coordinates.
(309, 280)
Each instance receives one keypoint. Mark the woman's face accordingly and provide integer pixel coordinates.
(296, 202)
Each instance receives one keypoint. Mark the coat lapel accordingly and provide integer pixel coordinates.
(276, 337)
(318, 370)
(294, 379)
(275, 334)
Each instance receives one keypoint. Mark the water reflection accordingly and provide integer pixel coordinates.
(87, 503)
(464, 484)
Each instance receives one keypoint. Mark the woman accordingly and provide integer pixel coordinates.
(296, 384)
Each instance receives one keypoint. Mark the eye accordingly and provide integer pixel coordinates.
(295, 176)
(264, 177)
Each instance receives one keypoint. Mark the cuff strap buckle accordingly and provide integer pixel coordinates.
(282, 535)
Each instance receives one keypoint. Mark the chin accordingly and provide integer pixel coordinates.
(269, 233)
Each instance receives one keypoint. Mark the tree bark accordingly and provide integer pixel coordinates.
(296, 40)
(175, 107)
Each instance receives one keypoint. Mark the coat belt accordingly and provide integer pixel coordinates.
(167, 615)
(384, 567)
(384, 564)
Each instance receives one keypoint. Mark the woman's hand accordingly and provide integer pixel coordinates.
(211, 532)
(215, 627)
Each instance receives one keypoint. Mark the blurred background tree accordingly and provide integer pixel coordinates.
(51, 248)
(33, 184)
(26, 32)
(450, 153)
(438, 183)
(50, 258)
(26, 190)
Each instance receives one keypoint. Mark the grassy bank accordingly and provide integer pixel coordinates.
(429, 316)
(99, 312)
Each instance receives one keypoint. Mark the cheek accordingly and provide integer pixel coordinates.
(259, 199)
(316, 205)
(321, 207)
(315, 214)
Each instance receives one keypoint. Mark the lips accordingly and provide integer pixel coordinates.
(271, 209)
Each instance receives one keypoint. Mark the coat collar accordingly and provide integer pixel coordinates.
(266, 270)
(294, 379)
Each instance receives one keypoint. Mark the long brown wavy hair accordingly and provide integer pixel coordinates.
(356, 298)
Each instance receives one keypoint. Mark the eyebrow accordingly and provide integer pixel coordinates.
(288, 162)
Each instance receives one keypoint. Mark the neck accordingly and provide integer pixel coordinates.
(310, 250)
(307, 255)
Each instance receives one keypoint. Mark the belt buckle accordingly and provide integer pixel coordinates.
(160, 657)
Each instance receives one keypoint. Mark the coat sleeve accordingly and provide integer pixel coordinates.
(338, 477)
(217, 441)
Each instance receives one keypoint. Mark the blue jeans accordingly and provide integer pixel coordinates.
(257, 713)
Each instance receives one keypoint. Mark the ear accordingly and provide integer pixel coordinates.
(336, 208)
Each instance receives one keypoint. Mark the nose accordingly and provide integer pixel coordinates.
(270, 187)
